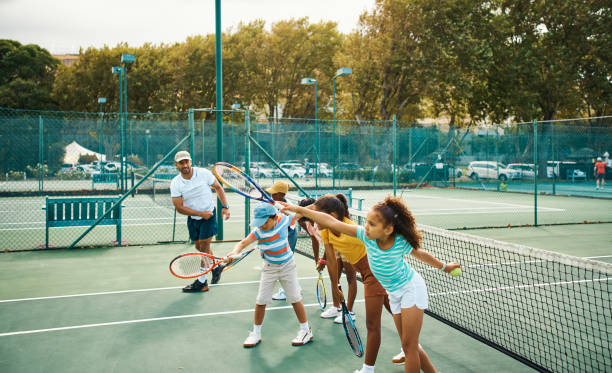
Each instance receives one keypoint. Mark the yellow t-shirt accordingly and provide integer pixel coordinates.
(351, 247)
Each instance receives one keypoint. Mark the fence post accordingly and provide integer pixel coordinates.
(192, 133)
(41, 149)
(535, 176)
(394, 156)
(247, 165)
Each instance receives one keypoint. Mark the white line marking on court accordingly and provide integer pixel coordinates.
(483, 202)
(153, 319)
(137, 291)
(513, 287)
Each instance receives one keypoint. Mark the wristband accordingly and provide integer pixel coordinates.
(225, 207)
(443, 267)
(322, 261)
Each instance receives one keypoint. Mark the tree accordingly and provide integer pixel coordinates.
(27, 73)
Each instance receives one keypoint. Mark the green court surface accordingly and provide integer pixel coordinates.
(119, 309)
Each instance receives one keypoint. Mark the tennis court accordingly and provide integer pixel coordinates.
(119, 309)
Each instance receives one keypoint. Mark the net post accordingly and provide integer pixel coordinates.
(535, 176)
(247, 165)
(219, 102)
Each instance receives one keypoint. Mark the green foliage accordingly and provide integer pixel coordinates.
(87, 158)
(35, 171)
(16, 175)
(27, 73)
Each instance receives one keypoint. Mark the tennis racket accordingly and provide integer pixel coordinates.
(351, 330)
(241, 183)
(321, 295)
(192, 265)
(238, 258)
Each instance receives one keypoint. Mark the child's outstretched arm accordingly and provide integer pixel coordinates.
(238, 248)
(425, 257)
(322, 219)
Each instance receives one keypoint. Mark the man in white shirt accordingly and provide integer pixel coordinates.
(192, 196)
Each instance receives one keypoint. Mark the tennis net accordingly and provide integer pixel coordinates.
(548, 310)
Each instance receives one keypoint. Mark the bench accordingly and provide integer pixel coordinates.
(347, 192)
(104, 179)
(79, 212)
(571, 174)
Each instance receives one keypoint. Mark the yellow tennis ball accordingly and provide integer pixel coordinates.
(455, 272)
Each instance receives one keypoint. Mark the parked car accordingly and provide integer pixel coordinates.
(167, 169)
(68, 167)
(112, 167)
(525, 170)
(323, 170)
(89, 169)
(261, 169)
(491, 170)
(349, 166)
(293, 169)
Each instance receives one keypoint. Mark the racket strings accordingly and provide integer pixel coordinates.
(352, 334)
(236, 180)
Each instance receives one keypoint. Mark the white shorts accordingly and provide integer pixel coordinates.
(286, 274)
(413, 293)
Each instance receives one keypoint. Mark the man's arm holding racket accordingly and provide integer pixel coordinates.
(225, 212)
(178, 205)
(322, 219)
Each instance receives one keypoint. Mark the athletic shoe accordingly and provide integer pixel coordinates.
(329, 313)
(196, 287)
(302, 337)
(399, 358)
(252, 340)
(216, 274)
(338, 319)
(280, 295)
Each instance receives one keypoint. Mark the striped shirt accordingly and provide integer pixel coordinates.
(388, 266)
(273, 244)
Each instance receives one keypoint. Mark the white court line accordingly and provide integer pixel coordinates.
(136, 291)
(154, 319)
(481, 202)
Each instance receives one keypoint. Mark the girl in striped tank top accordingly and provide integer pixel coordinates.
(390, 232)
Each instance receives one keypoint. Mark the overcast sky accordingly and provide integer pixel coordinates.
(62, 26)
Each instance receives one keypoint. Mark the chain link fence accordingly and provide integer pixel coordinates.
(59, 154)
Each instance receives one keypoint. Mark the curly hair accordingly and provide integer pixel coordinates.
(395, 212)
(333, 203)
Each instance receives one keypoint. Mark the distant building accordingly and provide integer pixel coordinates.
(67, 59)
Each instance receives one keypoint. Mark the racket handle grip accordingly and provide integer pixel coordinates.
(280, 207)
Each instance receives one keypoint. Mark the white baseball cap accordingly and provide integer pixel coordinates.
(179, 156)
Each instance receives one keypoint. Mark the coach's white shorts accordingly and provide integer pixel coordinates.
(286, 274)
(413, 293)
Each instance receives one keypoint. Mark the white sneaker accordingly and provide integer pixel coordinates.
(252, 340)
(330, 313)
(338, 319)
(280, 295)
(399, 359)
(302, 337)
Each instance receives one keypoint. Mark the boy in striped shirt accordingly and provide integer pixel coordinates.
(271, 235)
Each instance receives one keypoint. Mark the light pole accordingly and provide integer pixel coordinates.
(126, 59)
(311, 81)
(341, 72)
(101, 101)
(119, 70)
